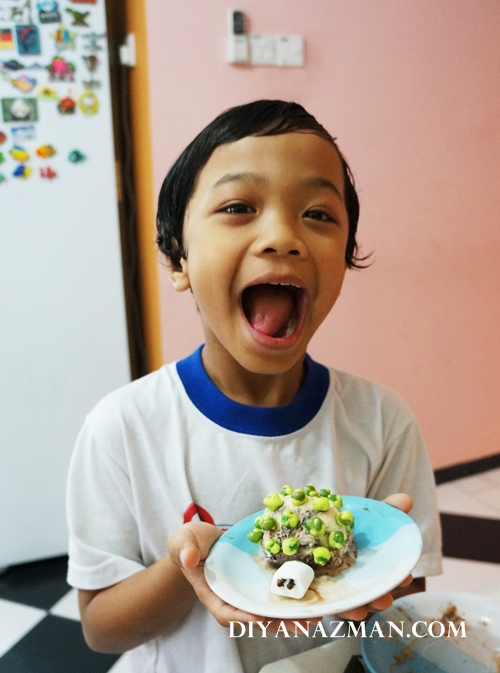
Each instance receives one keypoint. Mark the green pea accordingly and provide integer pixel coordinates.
(325, 492)
(321, 504)
(286, 490)
(308, 488)
(268, 522)
(255, 535)
(299, 497)
(336, 500)
(315, 526)
(321, 555)
(272, 546)
(336, 540)
(273, 501)
(345, 518)
(290, 546)
(257, 522)
(289, 518)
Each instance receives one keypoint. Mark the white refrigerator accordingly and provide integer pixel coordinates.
(63, 326)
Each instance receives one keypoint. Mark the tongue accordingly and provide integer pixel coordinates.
(268, 308)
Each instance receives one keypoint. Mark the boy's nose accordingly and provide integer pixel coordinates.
(280, 236)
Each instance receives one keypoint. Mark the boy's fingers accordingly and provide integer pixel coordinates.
(407, 581)
(191, 543)
(402, 501)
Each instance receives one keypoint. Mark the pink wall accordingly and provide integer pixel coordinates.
(412, 92)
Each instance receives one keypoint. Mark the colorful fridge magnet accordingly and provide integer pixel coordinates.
(6, 39)
(2, 158)
(28, 40)
(47, 173)
(18, 14)
(2, 178)
(19, 109)
(93, 41)
(18, 153)
(22, 172)
(12, 65)
(64, 39)
(67, 106)
(48, 12)
(3, 137)
(61, 70)
(88, 103)
(79, 18)
(76, 157)
(24, 83)
(92, 63)
(48, 94)
(46, 151)
(22, 133)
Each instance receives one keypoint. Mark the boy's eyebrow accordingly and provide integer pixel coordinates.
(315, 181)
(318, 181)
(238, 177)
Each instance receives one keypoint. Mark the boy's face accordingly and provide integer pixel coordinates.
(265, 234)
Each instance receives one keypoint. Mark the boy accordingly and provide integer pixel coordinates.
(258, 219)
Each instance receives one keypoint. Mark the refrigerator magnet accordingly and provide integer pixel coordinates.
(48, 12)
(76, 157)
(28, 40)
(48, 94)
(67, 106)
(6, 39)
(93, 41)
(22, 172)
(18, 153)
(23, 133)
(19, 109)
(3, 137)
(64, 39)
(2, 178)
(47, 173)
(88, 103)
(24, 83)
(79, 18)
(2, 158)
(61, 70)
(46, 151)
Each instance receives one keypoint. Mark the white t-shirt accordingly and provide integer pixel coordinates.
(171, 446)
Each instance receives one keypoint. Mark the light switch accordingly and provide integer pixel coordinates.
(289, 50)
(262, 49)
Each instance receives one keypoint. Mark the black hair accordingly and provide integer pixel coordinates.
(259, 118)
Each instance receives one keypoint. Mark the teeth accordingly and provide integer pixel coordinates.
(291, 327)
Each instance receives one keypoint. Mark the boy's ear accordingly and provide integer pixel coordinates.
(179, 276)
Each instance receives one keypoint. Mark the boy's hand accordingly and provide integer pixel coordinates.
(403, 502)
(188, 548)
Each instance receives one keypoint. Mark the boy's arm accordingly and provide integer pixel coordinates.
(144, 606)
(130, 613)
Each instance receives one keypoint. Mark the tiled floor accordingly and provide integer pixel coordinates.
(39, 622)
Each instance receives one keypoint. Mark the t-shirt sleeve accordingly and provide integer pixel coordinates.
(406, 468)
(104, 544)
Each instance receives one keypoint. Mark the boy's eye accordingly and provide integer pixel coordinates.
(237, 209)
(316, 214)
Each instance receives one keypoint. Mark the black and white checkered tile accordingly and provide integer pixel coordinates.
(40, 631)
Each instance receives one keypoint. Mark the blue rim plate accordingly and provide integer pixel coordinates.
(409, 652)
(389, 546)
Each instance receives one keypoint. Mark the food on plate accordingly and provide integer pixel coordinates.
(292, 579)
(305, 525)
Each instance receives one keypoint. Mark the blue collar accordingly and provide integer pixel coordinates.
(262, 421)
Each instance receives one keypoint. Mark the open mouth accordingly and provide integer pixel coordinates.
(274, 310)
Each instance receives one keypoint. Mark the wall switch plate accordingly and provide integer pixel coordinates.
(262, 49)
(289, 50)
(237, 40)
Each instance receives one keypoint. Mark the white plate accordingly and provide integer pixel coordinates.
(478, 652)
(389, 546)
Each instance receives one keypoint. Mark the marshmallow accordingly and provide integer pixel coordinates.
(292, 579)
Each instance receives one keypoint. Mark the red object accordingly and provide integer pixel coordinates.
(47, 173)
(3, 137)
(193, 509)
